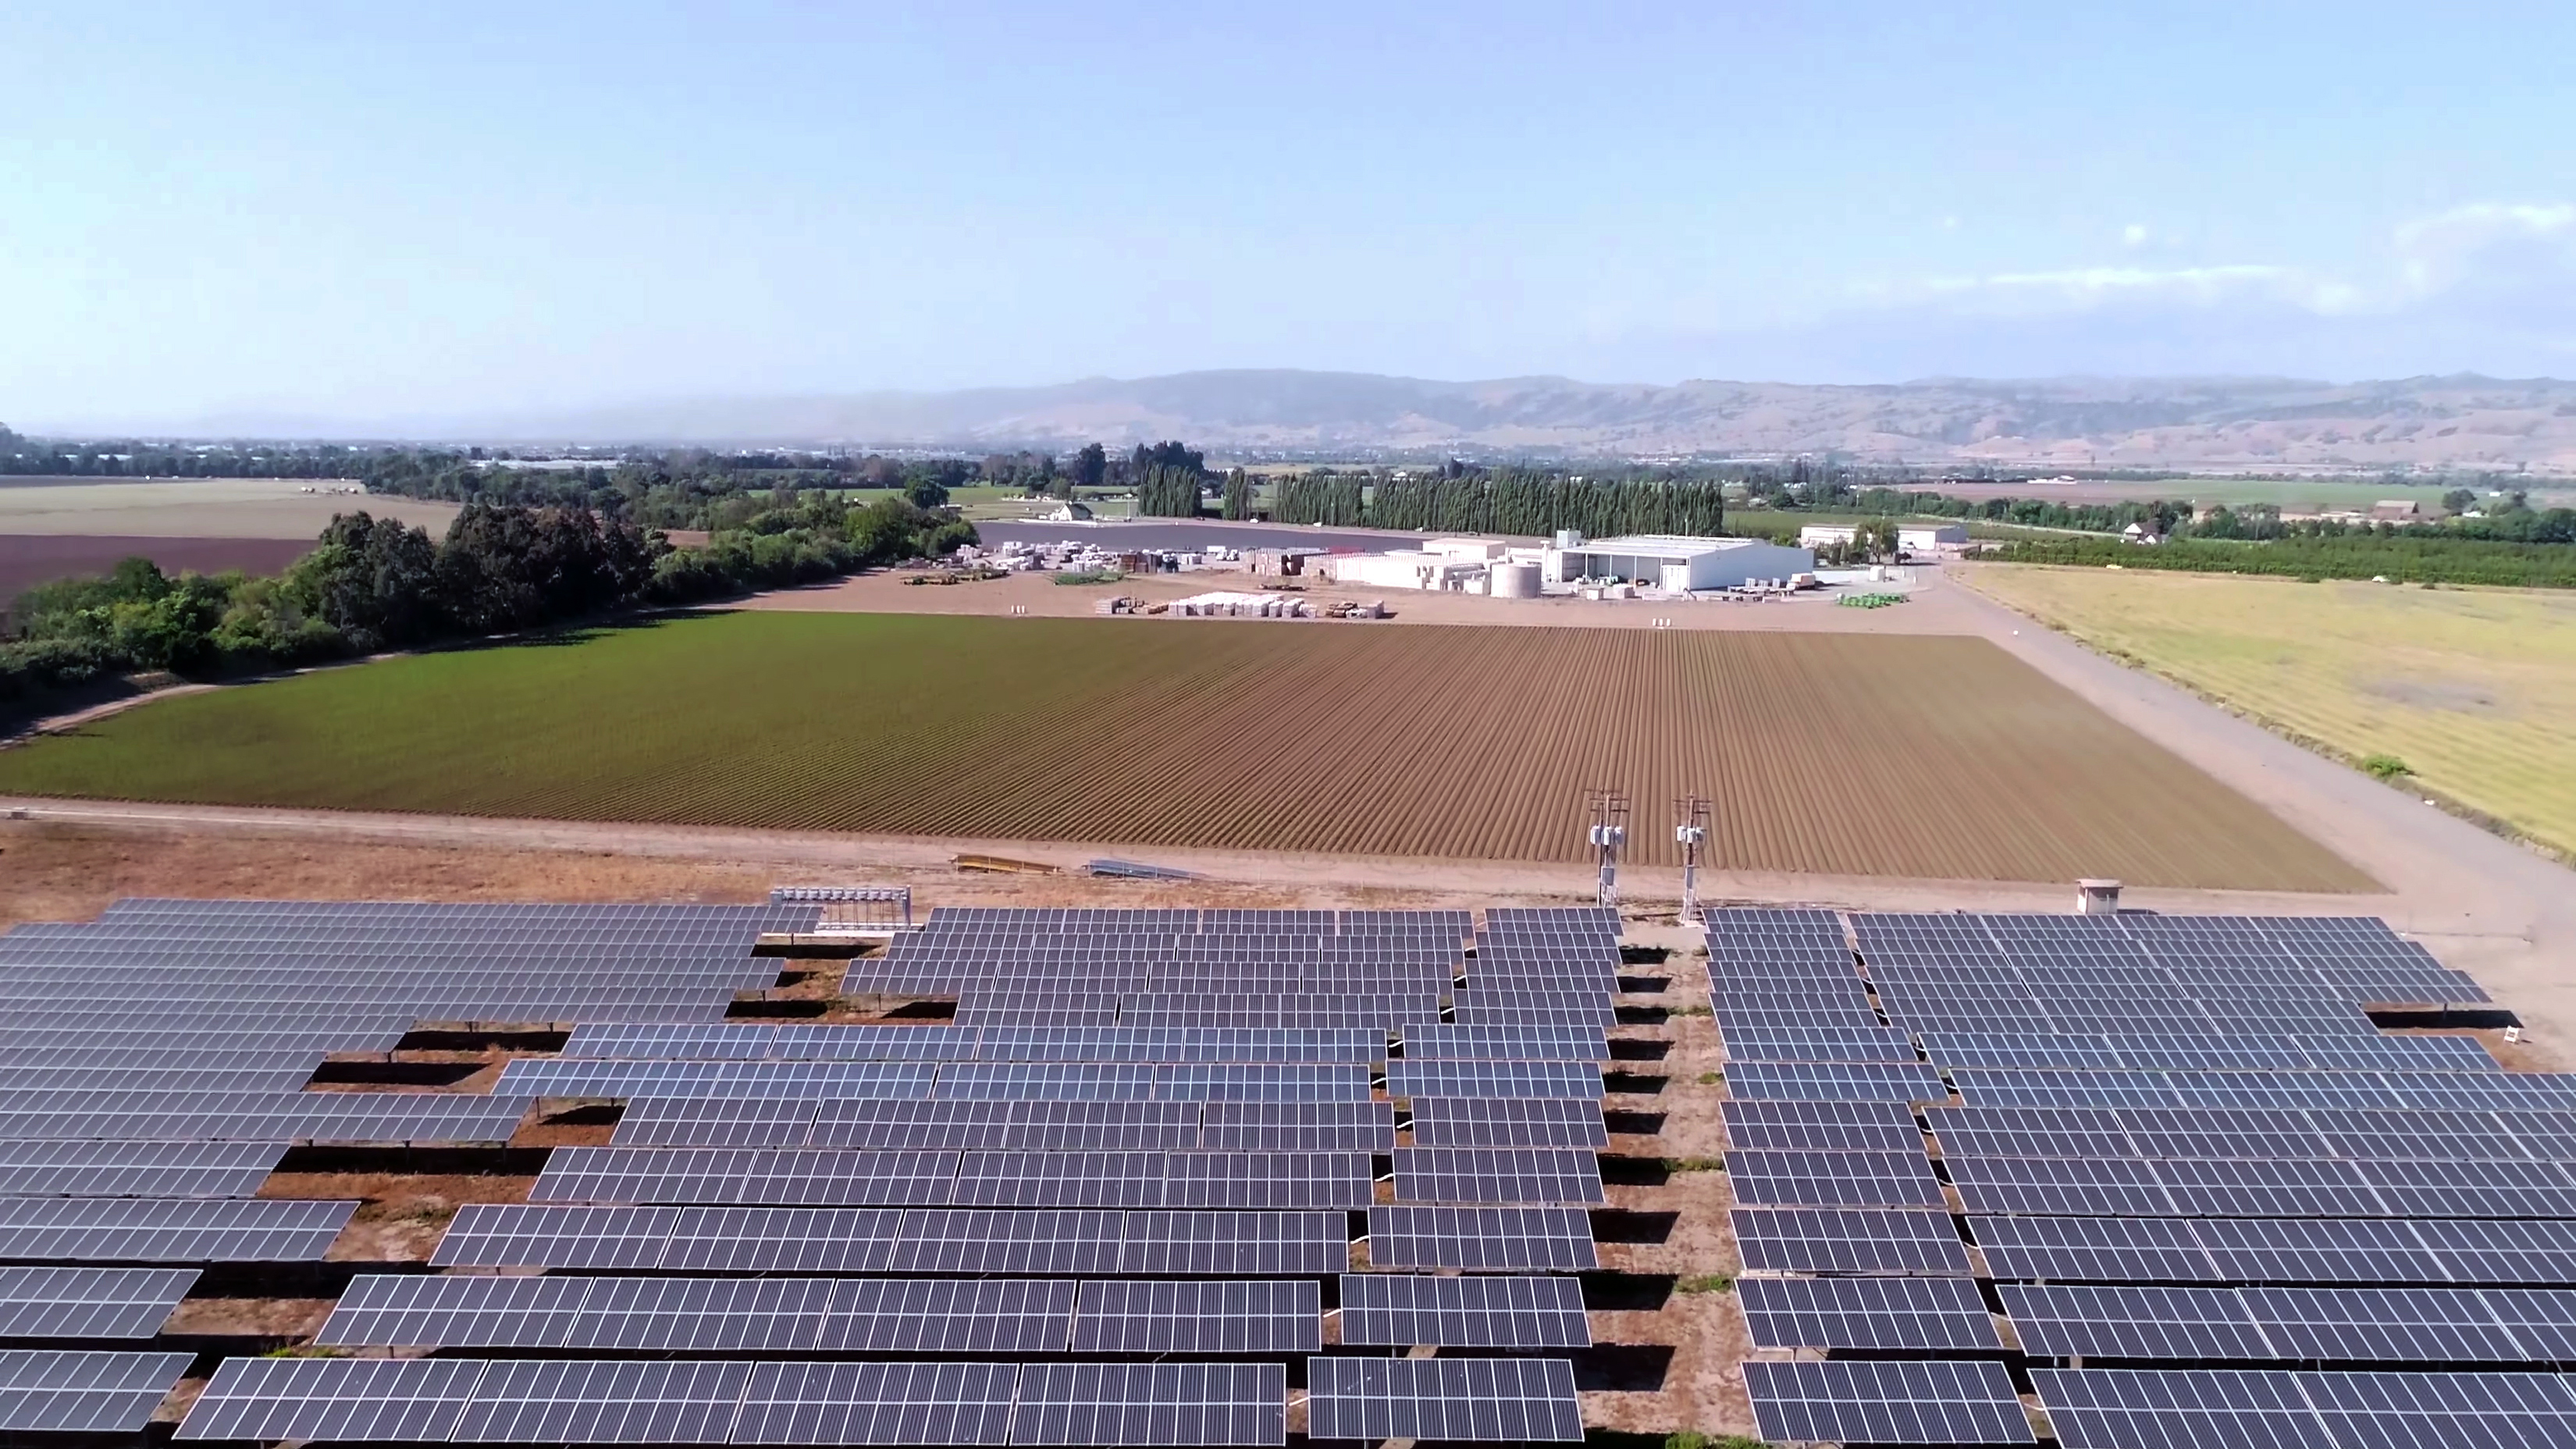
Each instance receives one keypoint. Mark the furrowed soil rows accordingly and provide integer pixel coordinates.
(1921, 756)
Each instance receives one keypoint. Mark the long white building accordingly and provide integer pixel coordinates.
(1672, 563)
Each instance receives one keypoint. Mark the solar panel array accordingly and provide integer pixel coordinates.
(2159, 1140)
(155, 1069)
(1155, 1158)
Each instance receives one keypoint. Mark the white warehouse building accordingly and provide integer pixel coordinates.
(1671, 563)
(1910, 538)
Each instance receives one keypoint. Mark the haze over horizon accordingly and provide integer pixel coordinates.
(364, 217)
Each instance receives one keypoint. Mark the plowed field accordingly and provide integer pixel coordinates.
(1921, 756)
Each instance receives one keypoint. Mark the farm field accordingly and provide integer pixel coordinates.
(196, 508)
(1935, 757)
(2471, 688)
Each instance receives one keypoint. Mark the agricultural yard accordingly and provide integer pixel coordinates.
(2472, 689)
(1927, 757)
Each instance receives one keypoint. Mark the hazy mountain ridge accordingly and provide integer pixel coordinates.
(2462, 421)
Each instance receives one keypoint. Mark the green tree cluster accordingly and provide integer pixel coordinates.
(1238, 495)
(371, 584)
(1169, 492)
(2399, 555)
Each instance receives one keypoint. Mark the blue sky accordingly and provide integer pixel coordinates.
(383, 212)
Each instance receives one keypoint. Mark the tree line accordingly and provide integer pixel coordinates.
(2399, 555)
(371, 584)
(1507, 502)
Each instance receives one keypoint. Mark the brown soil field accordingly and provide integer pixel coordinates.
(1913, 756)
(27, 560)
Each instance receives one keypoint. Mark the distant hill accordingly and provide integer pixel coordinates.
(2463, 421)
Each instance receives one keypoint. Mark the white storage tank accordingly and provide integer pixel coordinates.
(1514, 580)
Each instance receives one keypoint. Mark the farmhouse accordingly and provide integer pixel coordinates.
(1675, 563)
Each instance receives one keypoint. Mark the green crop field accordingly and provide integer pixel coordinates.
(2472, 689)
(1384, 740)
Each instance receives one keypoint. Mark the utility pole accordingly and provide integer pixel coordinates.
(1690, 832)
(1609, 810)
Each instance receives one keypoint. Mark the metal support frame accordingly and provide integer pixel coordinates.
(839, 904)
(1609, 835)
(1690, 832)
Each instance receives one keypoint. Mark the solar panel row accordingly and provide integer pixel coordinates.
(836, 1315)
(2277, 1250)
(1024, 1124)
(720, 1401)
(2103, 1408)
(1052, 1241)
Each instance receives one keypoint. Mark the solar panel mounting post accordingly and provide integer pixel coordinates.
(1690, 832)
(1609, 812)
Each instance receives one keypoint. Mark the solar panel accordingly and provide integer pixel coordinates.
(1848, 1240)
(1009, 1240)
(1833, 1179)
(980, 1316)
(1577, 1080)
(1168, 1316)
(156, 1230)
(1821, 1126)
(1434, 1041)
(89, 1302)
(2440, 1409)
(1405, 1310)
(333, 1398)
(1836, 1082)
(1268, 1180)
(53, 1391)
(1004, 1125)
(1151, 1404)
(1497, 1174)
(1059, 1179)
(602, 1401)
(1227, 1242)
(429, 1311)
(778, 1176)
(2381, 1325)
(510, 1235)
(2116, 1409)
(2107, 1186)
(2501, 1252)
(1481, 1239)
(877, 1403)
(2291, 1250)
(124, 1169)
(1919, 1314)
(2100, 1249)
(709, 1314)
(1299, 1126)
(1487, 1400)
(1886, 1403)
(2117, 1322)
(1507, 1122)
(1817, 1044)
